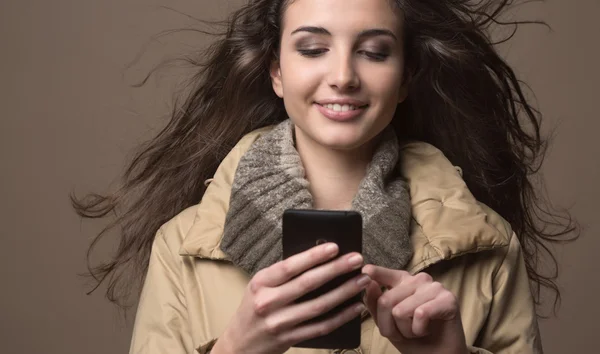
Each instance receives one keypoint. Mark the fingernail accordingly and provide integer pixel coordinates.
(355, 260)
(359, 308)
(363, 280)
(331, 248)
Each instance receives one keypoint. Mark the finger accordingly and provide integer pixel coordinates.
(281, 272)
(385, 320)
(420, 324)
(404, 327)
(404, 311)
(407, 288)
(322, 328)
(419, 295)
(401, 291)
(296, 314)
(315, 278)
(372, 294)
(392, 298)
(442, 307)
(384, 276)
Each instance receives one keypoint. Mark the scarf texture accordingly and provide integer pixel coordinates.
(270, 178)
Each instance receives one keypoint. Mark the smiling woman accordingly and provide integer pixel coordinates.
(349, 55)
(341, 81)
(400, 110)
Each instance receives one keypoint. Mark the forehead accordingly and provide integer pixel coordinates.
(342, 15)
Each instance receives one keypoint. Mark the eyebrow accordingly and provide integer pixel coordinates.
(363, 34)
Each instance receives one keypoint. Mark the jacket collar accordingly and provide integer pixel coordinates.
(447, 221)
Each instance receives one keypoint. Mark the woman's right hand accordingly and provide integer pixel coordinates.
(268, 320)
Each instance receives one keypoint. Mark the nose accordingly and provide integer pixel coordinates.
(342, 74)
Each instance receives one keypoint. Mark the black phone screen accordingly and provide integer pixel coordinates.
(304, 229)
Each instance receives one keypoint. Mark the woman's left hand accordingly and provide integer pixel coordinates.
(416, 314)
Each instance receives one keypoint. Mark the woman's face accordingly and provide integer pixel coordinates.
(340, 69)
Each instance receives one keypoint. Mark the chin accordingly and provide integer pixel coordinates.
(336, 135)
(342, 141)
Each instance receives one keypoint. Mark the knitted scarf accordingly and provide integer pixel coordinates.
(270, 179)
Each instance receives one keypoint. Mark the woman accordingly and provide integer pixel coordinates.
(339, 104)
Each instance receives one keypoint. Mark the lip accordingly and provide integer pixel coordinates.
(341, 116)
(342, 101)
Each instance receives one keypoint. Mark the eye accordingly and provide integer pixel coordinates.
(311, 53)
(376, 56)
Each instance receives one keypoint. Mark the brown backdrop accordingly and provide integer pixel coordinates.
(70, 119)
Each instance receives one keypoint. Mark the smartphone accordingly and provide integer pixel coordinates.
(304, 229)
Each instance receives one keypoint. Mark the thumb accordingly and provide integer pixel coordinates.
(372, 294)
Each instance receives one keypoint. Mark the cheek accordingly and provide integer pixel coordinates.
(300, 78)
(384, 83)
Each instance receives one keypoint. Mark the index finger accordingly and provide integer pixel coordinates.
(282, 271)
(385, 276)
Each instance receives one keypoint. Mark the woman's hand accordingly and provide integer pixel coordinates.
(416, 314)
(268, 320)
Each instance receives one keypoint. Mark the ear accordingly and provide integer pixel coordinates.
(275, 72)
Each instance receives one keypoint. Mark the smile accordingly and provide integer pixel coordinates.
(340, 112)
(341, 107)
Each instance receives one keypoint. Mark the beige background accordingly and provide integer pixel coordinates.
(70, 121)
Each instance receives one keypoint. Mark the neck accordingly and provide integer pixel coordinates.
(334, 175)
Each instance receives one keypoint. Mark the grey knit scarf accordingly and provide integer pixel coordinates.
(270, 179)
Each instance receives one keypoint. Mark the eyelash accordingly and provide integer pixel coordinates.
(313, 53)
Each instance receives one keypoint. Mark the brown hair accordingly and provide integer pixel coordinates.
(463, 98)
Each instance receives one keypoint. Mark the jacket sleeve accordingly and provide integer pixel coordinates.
(511, 326)
(161, 323)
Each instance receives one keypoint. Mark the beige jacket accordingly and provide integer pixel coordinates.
(192, 291)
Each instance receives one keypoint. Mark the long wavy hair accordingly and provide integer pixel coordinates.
(463, 98)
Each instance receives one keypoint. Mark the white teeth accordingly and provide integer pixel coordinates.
(340, 108)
